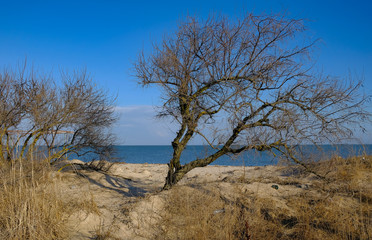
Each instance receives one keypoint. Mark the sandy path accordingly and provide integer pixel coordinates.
(125, 200)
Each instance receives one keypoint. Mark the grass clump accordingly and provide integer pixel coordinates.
(31, 205)
(192, 213)
(339, 207)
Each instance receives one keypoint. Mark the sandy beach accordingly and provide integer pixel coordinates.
(126, 201)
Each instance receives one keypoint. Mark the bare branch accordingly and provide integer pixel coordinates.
(252, 74)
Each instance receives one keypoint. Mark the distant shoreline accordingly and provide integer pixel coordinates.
(162, 154)
(201, 145)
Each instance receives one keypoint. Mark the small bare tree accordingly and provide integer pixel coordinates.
(250, 82)
(67, 116)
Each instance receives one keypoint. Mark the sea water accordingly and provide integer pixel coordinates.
(162, 154)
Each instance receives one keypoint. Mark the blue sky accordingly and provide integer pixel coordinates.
(105, 37)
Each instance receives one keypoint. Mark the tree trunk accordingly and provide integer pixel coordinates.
(176, 171)
(174, 168)
(173, 177)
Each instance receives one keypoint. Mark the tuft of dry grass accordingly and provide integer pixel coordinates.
(103, 232)
(192, 213)
(30, 203)
(339, 208)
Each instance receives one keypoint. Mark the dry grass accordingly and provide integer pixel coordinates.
(340, 208)
(31, 205)
(197, 214)
(103, 232)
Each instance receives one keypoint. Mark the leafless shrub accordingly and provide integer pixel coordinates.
(247, 84)
(337, 210)
(67, 116)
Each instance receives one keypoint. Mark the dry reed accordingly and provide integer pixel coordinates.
(339, 208)
(30, 203)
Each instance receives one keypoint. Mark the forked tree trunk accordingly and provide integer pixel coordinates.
(175, 174)
(175, 170)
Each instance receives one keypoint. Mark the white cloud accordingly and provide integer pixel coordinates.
(134, 108)
(138, 125)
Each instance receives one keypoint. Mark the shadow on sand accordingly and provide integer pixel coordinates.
(121, 185)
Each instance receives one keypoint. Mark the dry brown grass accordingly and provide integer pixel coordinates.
(103, 232)
(31, 205)
(340, 208)
(198, 214)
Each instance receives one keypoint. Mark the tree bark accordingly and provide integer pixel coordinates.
(176, 174)
(173, 177)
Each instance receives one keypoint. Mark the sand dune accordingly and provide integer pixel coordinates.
(126, 201)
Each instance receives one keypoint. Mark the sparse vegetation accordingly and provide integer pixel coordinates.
(245, 83)
(191, 213)
(70, 115)
(338, 209)
(34, 204)
(242, 81)
(104, 233)
(35, 110)
(31, 205)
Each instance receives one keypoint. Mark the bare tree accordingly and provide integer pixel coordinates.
(249, 81)
(67, 116)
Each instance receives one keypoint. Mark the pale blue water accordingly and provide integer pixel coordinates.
(162, 154)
